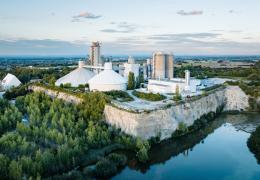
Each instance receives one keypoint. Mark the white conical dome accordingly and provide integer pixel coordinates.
(10, 81)
(107, 80)
(76, 77)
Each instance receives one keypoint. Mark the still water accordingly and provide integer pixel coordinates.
(218, 151)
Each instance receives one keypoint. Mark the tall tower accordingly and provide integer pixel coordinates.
(162, 65)
(95, 58)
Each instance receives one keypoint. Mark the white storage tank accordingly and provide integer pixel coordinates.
(108, 80)
(79, 76)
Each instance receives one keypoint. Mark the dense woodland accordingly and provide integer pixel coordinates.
(57, 136)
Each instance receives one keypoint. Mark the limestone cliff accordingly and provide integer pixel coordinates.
(56, 94)
(165, 121)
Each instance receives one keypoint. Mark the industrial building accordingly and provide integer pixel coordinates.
(95, 54)
(107, 80)
(10, 81)
(131, 66)
(79, 76)
(182, 85)
(162, 65)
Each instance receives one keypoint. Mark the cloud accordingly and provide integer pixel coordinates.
(190, 13)
(40, 47)
(121, 27)
(85, 15)
(203, 43)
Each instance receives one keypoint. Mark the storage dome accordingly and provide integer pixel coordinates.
(107, 80)
(10, 81)
(76, 77)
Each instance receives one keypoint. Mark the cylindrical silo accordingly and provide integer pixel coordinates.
(169, 65)
(158, 65)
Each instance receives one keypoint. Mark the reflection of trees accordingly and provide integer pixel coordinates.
(164, 151)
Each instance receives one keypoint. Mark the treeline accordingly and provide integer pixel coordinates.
(57, 136)
(253, 143)
(25, 74)
(252, 73)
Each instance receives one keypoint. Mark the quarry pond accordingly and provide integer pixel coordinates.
(217, 151)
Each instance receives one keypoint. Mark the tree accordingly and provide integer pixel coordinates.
(177, 96)
(143, 148)
(15, 170)
(131, 81)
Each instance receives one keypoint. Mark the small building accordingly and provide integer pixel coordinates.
(183, 85)
(10, 81)
(79, 76)
(107, 80)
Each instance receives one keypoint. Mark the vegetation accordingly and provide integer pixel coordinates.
(200, 72)
(119, 95)
(149, 96)
(16, 91)
(213, 87)
(25, 74)
(9, 116)
(254, 143)
(131, 81)
(109, 166)
(58, 137)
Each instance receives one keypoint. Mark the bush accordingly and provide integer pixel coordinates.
(118, 159)
(104, 168)
(143, 148)
(149, 96)
(119, 95)
(253, 143)
(16, 91)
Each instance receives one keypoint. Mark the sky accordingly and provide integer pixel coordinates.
(130, 27)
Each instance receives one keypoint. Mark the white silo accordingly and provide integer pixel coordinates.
(187, 80)
(130, 66)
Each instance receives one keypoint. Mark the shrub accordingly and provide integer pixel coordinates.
(119, 95)
(104, 168)
(253, 143)
(118, 159)
(149, 96)
(16, 91)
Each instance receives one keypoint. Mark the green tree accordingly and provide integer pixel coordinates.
(131, 81)
(143, 148)
(15, 170)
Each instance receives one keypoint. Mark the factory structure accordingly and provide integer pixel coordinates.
(158, 73)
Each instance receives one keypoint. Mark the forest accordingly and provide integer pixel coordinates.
(57, 137)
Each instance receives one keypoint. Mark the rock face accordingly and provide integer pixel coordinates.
(236, 99)
(166, 121)
(56, 94)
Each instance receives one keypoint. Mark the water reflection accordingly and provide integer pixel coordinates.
(217, 151)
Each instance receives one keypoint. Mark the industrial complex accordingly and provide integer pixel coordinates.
(157, 74)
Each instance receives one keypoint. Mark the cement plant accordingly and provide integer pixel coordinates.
(129, 90)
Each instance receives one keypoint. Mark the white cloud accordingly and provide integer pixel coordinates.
(190, 13)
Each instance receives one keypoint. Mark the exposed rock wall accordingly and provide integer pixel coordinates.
(165, 121)
(56, 94)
